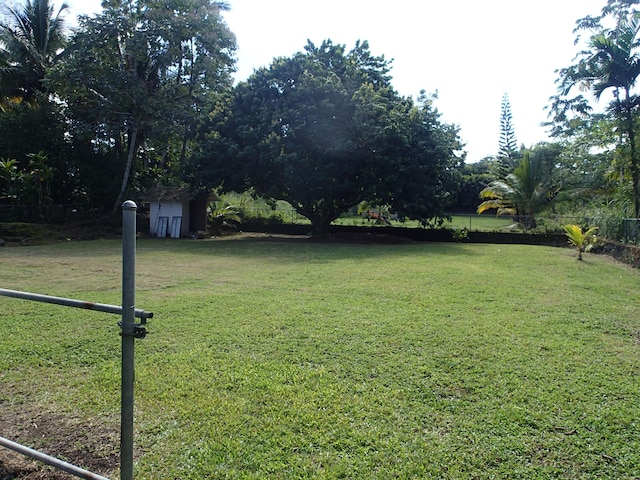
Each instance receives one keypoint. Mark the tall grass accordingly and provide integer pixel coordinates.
(306, 360)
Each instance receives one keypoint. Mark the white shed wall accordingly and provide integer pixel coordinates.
(169, 210)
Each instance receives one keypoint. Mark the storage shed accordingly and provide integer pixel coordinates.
(175, 212)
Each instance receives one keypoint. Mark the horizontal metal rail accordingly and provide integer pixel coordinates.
(69, 302)
(54, 462)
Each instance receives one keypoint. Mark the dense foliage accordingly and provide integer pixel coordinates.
(131, 90)
(142, 94)
(324, 130)
(31, 40)
(140, 77)
(522, 193)
(609, 63)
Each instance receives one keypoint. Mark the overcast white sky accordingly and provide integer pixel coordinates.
(471, 52)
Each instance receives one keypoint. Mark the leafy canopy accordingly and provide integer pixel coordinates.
(609, 62)
(139, 79)
(32, 39)
(324, 130)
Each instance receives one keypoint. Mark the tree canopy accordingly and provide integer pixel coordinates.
(32, 39)
(142, 93)
(139, 78)
(609, 62)
(324, 130)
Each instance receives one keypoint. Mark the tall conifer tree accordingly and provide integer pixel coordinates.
(507, 151)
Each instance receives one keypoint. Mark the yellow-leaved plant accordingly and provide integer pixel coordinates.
(579, 239)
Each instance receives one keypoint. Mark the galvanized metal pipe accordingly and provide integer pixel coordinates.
(54, 462)
(128, 337)
(129, 332)
(69, 302)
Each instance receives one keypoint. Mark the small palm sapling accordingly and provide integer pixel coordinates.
(579, 239)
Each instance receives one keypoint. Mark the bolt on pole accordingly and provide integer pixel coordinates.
(128, 333)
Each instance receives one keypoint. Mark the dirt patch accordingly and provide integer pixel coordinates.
(91, 445)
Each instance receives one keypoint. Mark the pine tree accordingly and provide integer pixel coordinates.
(508, 154)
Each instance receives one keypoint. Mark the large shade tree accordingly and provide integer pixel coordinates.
(324, 130)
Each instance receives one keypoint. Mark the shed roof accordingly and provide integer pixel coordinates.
(171, 194)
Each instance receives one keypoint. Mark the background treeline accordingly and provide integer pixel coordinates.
(142, 94)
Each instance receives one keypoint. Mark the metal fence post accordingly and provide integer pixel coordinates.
(129, 209)
(129, 332)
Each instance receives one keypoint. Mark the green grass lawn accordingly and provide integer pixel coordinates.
(480, 223)
(294, 359)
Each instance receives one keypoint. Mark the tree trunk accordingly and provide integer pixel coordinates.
(319, 222)
(320, 228)
(635, 175)
(127, 171)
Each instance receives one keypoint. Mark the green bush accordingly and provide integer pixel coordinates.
(258, 210)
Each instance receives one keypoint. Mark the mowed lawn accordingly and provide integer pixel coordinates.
(481, 223)
(294, 359)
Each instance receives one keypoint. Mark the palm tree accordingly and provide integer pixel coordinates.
(522, 193)
(31, 40)
(578, 238)
(612, 61)
(222, 215)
